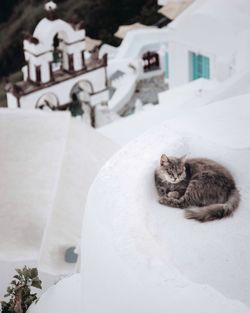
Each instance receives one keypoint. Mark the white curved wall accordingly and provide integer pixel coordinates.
(138, 256)
(136, 40)
(46, 30)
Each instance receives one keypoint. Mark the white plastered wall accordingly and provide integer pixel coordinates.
(63, 89)
(75, 49)
(241, 58)
(11, 101)
(180, 67)
(40, 60)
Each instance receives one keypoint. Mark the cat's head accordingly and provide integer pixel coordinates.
(173, 168)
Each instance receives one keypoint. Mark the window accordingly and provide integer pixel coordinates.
(38, 74)
(151, 61)
(71, 62)
(199, 66)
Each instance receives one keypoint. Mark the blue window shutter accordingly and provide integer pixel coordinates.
(194, 66)
(206, 69)
(199, 66)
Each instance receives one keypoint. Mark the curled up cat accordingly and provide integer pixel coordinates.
(203, 187)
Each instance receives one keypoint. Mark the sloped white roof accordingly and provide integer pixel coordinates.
(212, 25)
(32, 145)
(47, 163)
(85, 153)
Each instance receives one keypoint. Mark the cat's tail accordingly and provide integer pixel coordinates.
(215, 211)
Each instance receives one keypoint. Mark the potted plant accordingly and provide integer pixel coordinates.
(19, 293)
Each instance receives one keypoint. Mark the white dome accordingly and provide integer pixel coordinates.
(148, 255)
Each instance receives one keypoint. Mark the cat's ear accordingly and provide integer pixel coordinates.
(183, 158)
(164, 159)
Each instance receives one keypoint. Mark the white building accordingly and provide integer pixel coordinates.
(57, 66)
(210, 39)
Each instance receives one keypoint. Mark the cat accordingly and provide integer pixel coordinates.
(200, 183)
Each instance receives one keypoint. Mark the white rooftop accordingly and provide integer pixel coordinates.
(148, 255)
(49, 160)
(33, 145)
(206, 22)
(173, 103)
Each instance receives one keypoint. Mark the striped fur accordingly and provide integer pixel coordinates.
(204, 188)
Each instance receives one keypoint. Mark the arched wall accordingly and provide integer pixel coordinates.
(83, 85)
(51, 97)
(46, 30)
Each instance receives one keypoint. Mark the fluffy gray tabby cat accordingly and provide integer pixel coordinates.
(200, 183)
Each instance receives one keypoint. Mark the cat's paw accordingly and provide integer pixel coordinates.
(174, 194)
(162, 200)
(171, 202)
